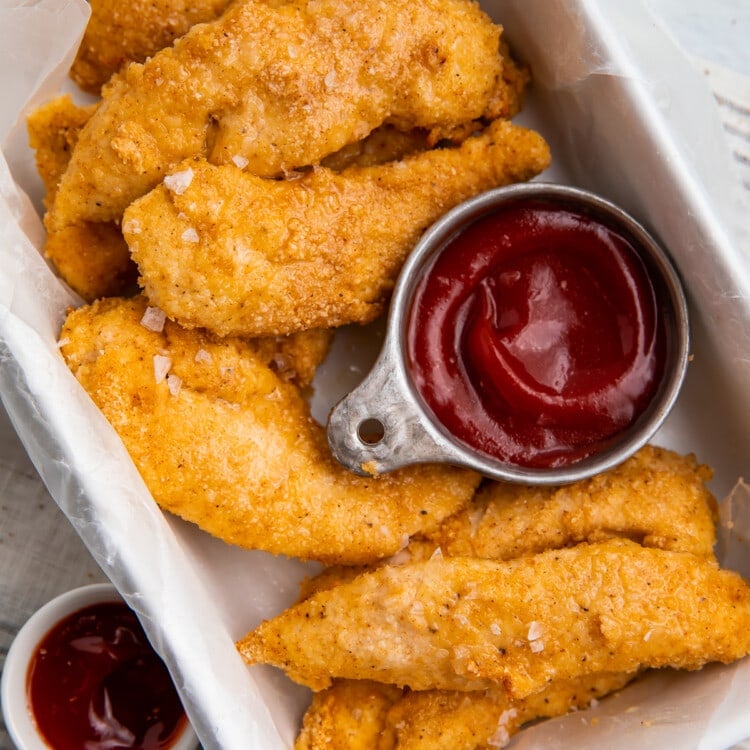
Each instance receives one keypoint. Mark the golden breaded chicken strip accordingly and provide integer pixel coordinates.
(386, 143)
(417, 550)
(657, 498)
(350, 715)
(225, 442)
(280, 86)
(354, 714)
(92, 258)
(467, 624)
(119, 33)
(53, 132)
(451, 720)
(222, 249)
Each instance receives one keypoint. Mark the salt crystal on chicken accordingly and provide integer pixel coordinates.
(240, 161)
(203, 356)
(501, 737)
(190, 235)
(132, 226)
(179, 182)
(154, 319)
(174, 383)
(535, 631)
(161, 367)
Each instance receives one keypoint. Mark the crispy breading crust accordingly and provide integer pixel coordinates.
(350, 715)
(366, 715)
(467, 624)
(657, 498)
(53, 130)
(242, 255)
(450, 720)
(119, 33)
(93, 259)
(230, 444)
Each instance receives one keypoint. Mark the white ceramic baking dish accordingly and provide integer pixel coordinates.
(627, 118)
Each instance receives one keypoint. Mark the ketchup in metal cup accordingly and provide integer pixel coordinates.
(96, 683)
(535, 335)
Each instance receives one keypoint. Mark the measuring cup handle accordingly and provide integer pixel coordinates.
(378, 428)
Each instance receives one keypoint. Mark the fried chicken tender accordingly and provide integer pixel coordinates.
(92, 258)
(355, 714)
(467, 624)
(350, 715)
(241, 255)
(224, 441)
(281, 86)
(386, 143)
(657, 498)
(451, 720)
(53, 130)
(119, 33)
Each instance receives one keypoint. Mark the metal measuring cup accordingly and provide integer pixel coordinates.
(384, 424)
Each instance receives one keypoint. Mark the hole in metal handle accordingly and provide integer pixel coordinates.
(370, 431)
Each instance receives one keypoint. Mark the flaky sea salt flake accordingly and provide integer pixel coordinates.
(174, 383)
(179, 182)
(536, 631)
(161, 367)
(190, 235)
(240, 161)
(501, 736)
(153, 319)
(131, 226)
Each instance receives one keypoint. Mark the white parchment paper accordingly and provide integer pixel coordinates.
(625, 116)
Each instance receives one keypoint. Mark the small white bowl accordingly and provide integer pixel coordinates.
(13, 694)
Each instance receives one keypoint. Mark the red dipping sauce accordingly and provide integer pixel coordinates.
(535, 335)
(95, 683)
